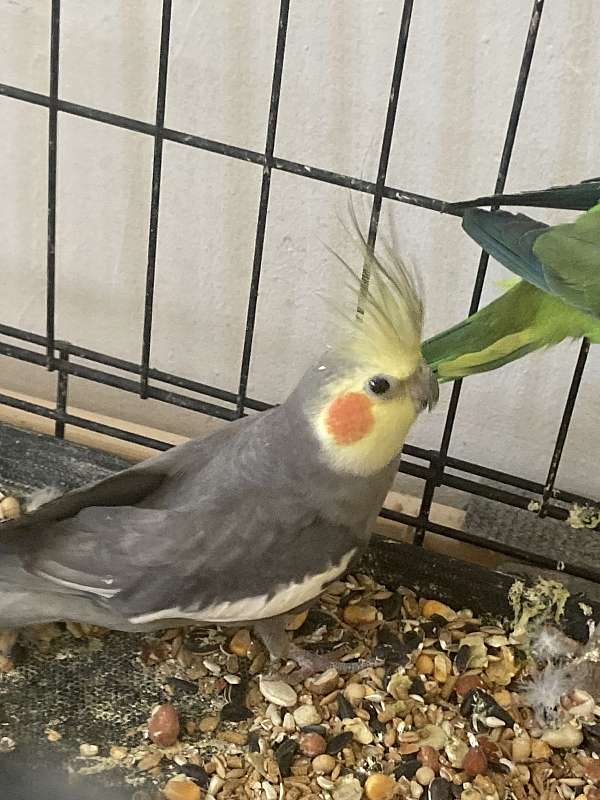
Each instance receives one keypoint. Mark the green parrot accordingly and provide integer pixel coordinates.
(556, 297)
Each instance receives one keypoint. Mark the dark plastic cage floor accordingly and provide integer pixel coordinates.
(98, 689)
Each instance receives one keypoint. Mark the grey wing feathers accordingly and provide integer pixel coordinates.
(237, 559)
(228, 543)
(103, 550)
(126, 488)
(246, 572)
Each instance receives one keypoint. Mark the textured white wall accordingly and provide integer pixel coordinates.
(460, 72)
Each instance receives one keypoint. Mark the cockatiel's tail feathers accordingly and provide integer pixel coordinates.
(388, 327)
(124, 488)
(41, 497)
(520, 321)
(575, 197)
(510, 239)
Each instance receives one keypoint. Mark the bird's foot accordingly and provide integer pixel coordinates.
(310, 663)
(280, 648)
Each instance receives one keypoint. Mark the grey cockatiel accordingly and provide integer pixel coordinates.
(248, 524)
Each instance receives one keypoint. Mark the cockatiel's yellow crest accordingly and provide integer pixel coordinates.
(388, 327)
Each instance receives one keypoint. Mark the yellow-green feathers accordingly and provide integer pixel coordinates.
(387, 328)
(520, 321)
(379, 382)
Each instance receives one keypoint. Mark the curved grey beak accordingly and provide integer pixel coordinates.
(424, 388)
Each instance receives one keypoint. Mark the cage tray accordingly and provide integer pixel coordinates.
(99, 691)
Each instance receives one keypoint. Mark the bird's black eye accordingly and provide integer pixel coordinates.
(379, 384)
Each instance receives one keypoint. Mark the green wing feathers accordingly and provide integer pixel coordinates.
(520, 321)
(570, 255)
(559, 297)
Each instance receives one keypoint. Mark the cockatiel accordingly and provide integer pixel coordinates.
(558, 296)
(249, 524)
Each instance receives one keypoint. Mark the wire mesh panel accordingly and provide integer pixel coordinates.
(436, 467)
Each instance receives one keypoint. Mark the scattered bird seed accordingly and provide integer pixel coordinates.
(462, 658)
(345, 709)
(337, 743)
(306, 715)
(360, 731)
(566, 736)
(7, 745)
(197, 773)
(480, 703)
(407, 769)
(347, 788)
(413, 638)
(390, 608)
(254, 741)
(320, 729)
(312, 744)
(212, 666)
(380, 787)
(285, 755)
(417, 687)
(441, 715)
(88, 750)
(233, 713)
(149, 761)
(278, 692)
(215, 785)
(183, 686)
(390, 648)
(181, 789)
(163, 725)
(439, 789)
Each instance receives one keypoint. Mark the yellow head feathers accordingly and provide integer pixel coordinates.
(388, 326)
(374, 392)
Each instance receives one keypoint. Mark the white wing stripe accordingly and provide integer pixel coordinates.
(78, 586)
(284, 600)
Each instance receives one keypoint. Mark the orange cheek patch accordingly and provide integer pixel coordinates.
(350, 417)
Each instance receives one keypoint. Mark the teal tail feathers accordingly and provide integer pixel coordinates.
(574, 197)
(510, 239)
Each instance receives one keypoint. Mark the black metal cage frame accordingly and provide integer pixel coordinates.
(435, 467)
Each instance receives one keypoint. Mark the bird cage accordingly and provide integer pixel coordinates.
(30, 460)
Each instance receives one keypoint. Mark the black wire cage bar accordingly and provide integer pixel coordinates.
(435, 467)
